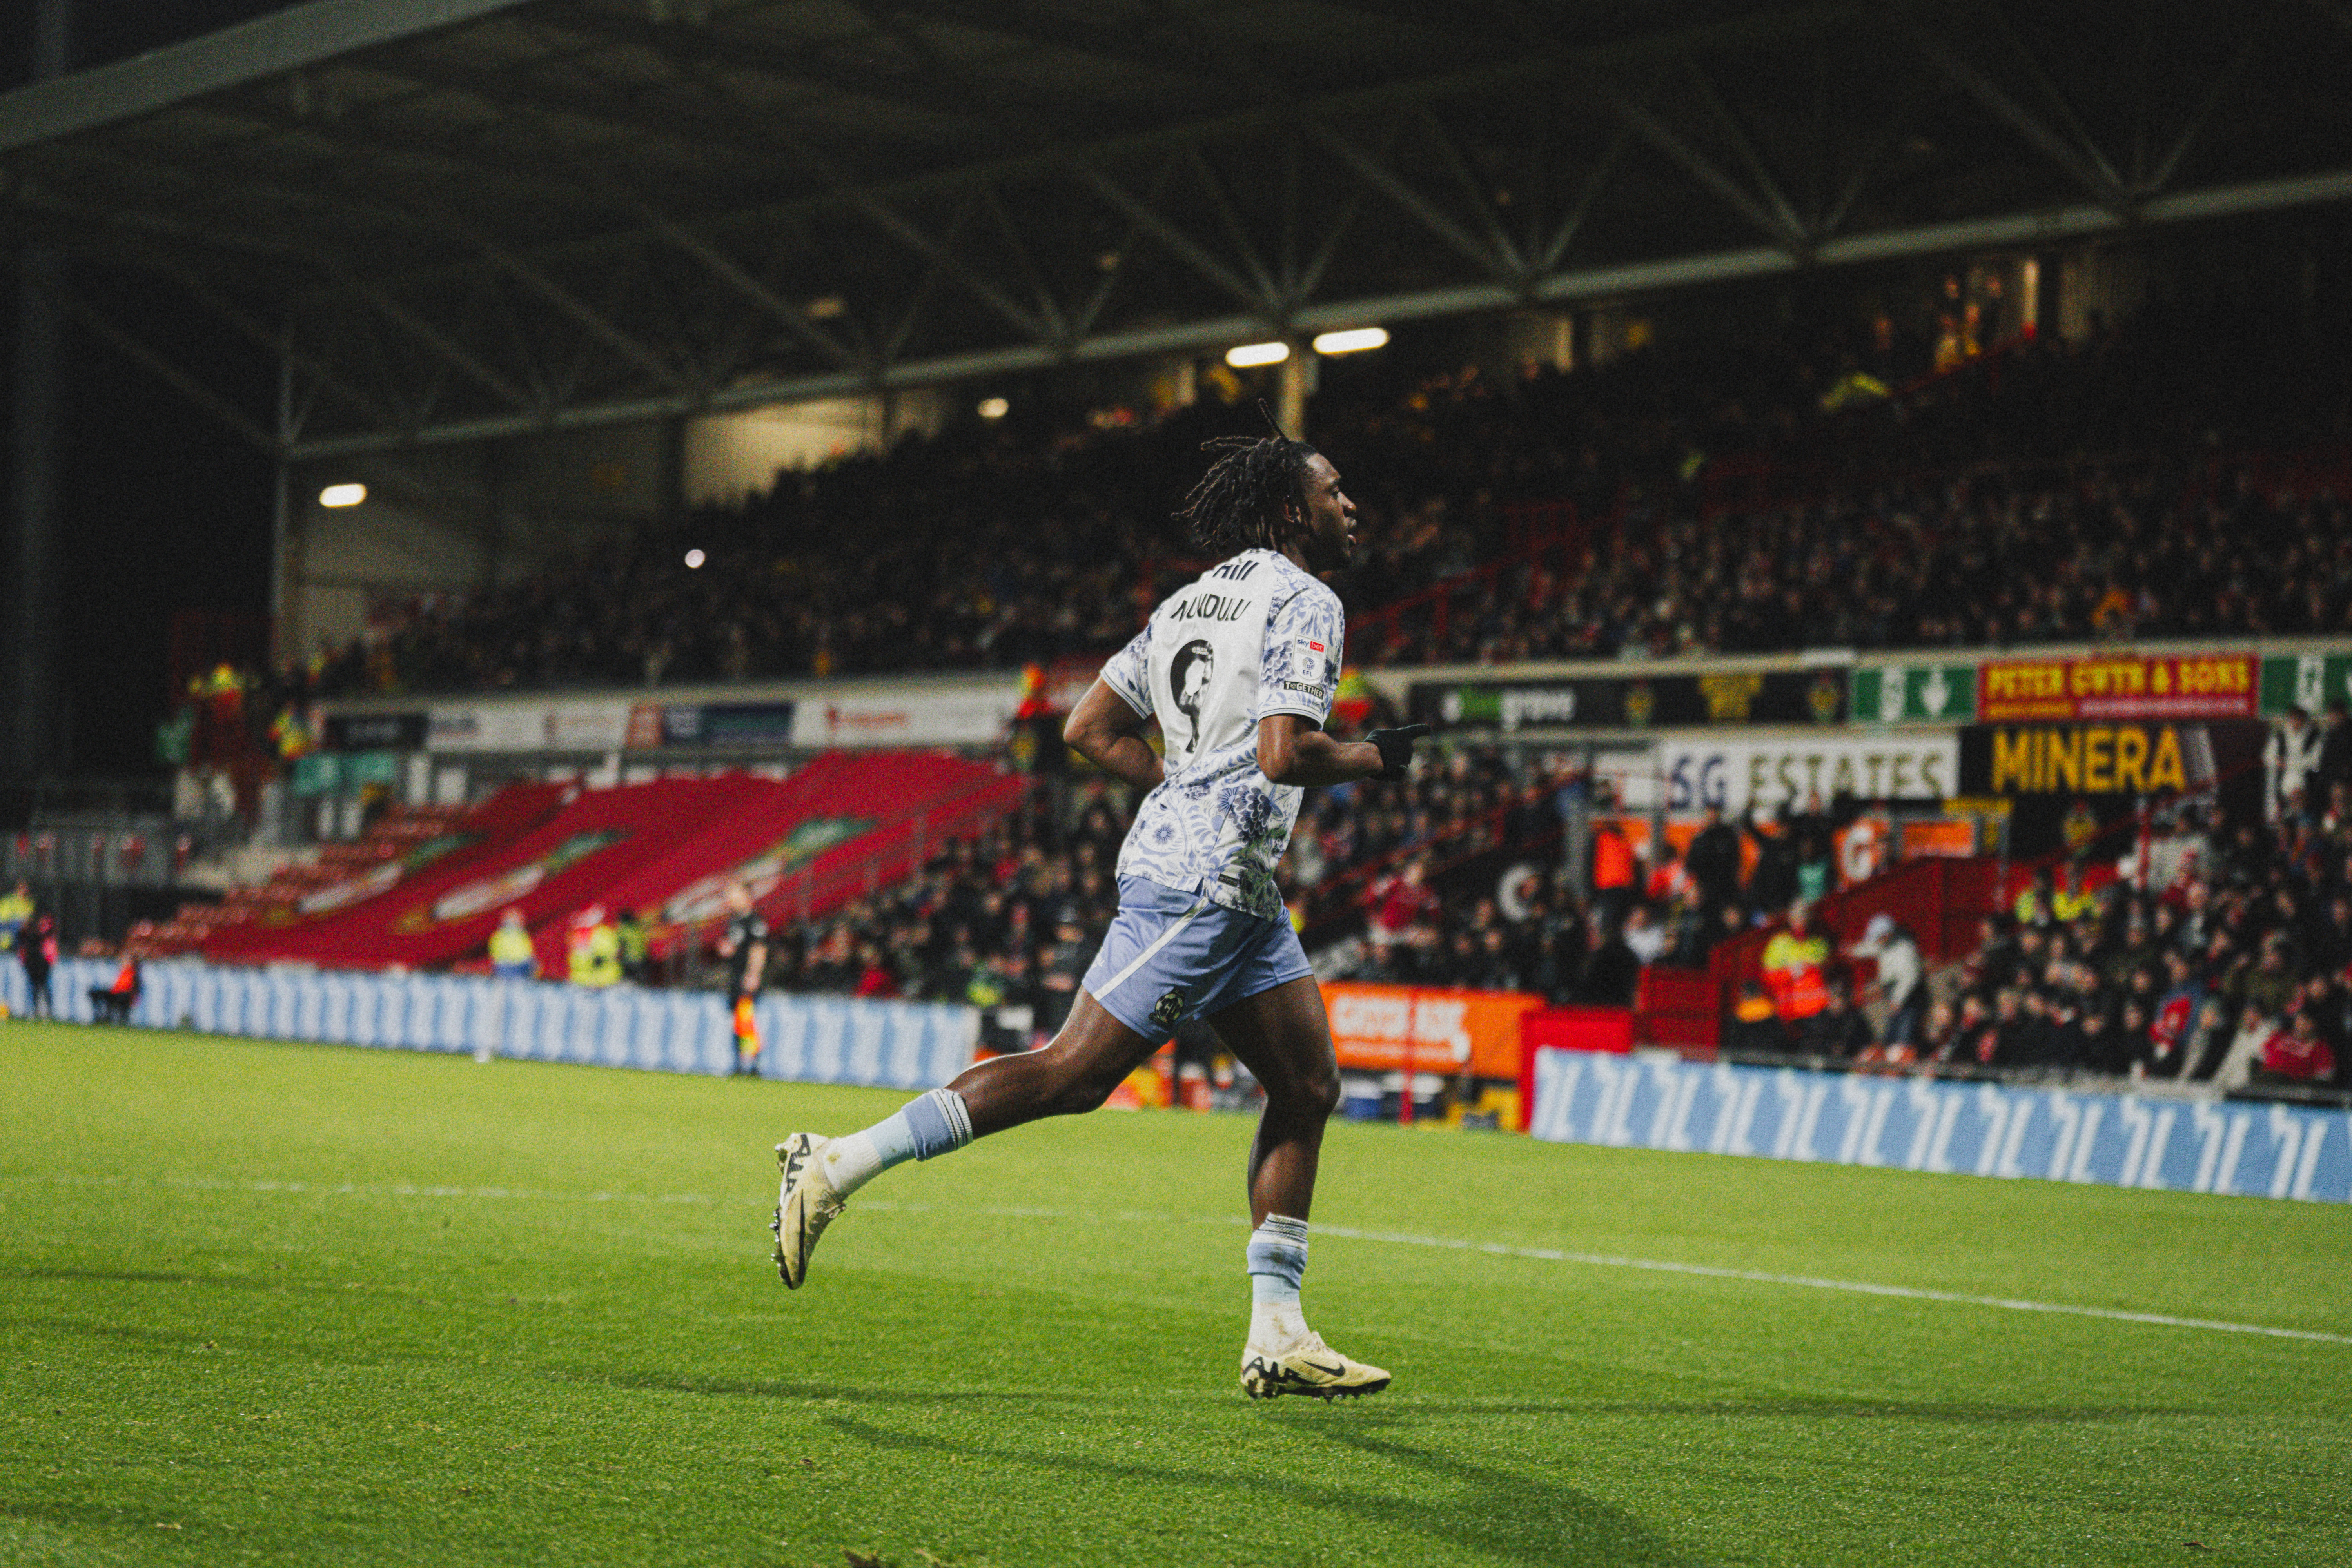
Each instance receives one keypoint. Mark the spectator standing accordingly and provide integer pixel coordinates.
(2169, 1027)
(1796, 964)
(743, 944)
(1774, 884)
(2291, 760)
(1901, 984)
(1713, 862)
(1615, 877)
(16, 910)
(37, 952)
(592, 949)
(512, 954)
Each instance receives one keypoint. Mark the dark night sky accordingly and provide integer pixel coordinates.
(164, 510)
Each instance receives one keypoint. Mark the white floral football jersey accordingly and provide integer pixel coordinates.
(1253, 636)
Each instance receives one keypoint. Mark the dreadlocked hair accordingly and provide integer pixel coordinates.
(1239, 504)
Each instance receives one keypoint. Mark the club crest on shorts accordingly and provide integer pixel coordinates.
(1168, 1010)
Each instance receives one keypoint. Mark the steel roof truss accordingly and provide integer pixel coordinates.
(1230, 218)
(1376, 173)
(2223, 81)
(1049, 308)
(1502, 250)
(1759, 172)
(2087, 170)
(1596, 180)
(188, 385)
(281, 344)
(1185, 248)
(1637, 116)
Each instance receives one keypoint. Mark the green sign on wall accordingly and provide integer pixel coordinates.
(1913, 694)
(2307, 680)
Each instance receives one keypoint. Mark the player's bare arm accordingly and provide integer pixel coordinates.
(1108, 733)
(1293, 749)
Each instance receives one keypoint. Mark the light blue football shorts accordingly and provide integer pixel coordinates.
(1171, 956)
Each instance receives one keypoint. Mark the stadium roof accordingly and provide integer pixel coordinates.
(459, 219)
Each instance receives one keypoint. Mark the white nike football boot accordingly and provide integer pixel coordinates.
(805, 1204)
(1310, 1367)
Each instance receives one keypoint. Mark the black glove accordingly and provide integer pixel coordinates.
(1396, 748)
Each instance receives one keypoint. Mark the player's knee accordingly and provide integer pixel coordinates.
(1081, 1089)
(1313, 1094)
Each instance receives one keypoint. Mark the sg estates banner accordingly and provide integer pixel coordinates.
(1734, 774)
(1922, 1124)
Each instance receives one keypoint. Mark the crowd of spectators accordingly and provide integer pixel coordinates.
(1009, 919)
(1744, 497)
(2214, 952)
(2232, 963)
(1012, 919)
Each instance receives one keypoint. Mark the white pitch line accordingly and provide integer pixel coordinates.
(1396, 1239)
(1852, 1286)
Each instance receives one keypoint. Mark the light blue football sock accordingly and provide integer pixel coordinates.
(923, 1129)
(1277, 1259)
(1278, 1262)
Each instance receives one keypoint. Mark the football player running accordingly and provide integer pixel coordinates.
(1246, 661)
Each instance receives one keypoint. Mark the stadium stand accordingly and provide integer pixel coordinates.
(2131, 485)
(424, 889)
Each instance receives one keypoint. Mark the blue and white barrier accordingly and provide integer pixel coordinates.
(809, 1039)
(1922, 1124)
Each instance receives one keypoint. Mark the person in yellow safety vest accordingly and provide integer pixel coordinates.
(593, 948)
(2071, 902)
(1795, 967)
(2034, 906)
(15, 913)
(512, 954)
(290, 735)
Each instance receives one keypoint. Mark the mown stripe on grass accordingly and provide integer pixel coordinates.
(1398, 1238)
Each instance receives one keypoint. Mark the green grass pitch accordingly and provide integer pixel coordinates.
(284, 1304)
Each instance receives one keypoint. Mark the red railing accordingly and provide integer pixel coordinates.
(1939, 900)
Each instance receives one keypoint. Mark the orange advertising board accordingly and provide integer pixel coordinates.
(1449, 1030)
(2120, 686)
(1953, 837)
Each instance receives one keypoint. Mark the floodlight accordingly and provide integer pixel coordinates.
(1248, 354)
(1355, 340)
(994, 408)
(343, 495)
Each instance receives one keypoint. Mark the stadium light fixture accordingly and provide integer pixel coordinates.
(1246, 355)
(694, 560)
(994, 408)
(343, 495)
(1355, 340)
